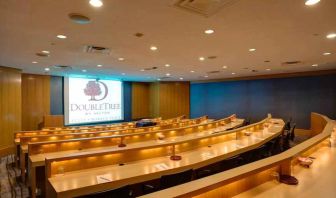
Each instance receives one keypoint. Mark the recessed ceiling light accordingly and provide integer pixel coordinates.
(224, 67)
(45, 52)
(121, 59)
(167, 65)
(123, 74)
(331, 36)
(311, 2)
(153, 48)
(268, 69)
(252, 50)
(142, 70)
(60, 36)
(206, 76)
(96, 3)
(167, 74)
(99, 65)
(158, 79)
(84, 70)
(201, 58)
(209, 31)
(326, 53)
(46, 69)
(192, 71)
(233, 73)
(34, 62)
(314, 65)
(181, 78)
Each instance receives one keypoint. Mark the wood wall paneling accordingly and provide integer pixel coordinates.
(35, 100)
(169, 99)
(10, 107)
(140, 100)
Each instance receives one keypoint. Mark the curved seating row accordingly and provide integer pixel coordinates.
(79, 174)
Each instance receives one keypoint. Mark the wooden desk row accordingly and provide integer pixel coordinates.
(77, 174)
(218, 183)
(115, 134)
(41, 150)
(93, 128)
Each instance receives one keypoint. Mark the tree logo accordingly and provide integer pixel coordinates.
(93, 89)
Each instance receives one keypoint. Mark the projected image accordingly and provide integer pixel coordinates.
(91, 100)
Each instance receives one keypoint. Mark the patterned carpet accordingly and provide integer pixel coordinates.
(10, 187)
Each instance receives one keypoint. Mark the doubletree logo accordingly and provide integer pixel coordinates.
(93, 89)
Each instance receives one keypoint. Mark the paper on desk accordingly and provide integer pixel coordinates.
(104, 178)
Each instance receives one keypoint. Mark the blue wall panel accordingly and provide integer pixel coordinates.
(285, 98)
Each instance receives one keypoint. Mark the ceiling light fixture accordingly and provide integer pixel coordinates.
(84, 70)
(314, 65)
(206, 76)
(96, 3)
(142, 70)
(153, 48)
(45, 52)
(34, 62)
(233, 73)
(331, 36)
(252, 50)
(99, 65)
(224, 67)
(201, 58)
(326, 53)
(60, 36)
(268, 69)
(46, 69)
(311, 2)
(158, 79)
(167, 65)
(209, 31)
(121, 59)
(192, 71)
(167, 74)
(181, 78)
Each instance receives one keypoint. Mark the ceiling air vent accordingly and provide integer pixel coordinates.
(203, 7)
(291, 62)
(213, 72)
(96, 50)
(63, 67)
(150, 68)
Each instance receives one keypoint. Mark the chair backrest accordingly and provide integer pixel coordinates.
(168, 181)
(123, 192)
(292, 132)
(231, 162)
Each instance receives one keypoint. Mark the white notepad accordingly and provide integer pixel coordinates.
(104, 178)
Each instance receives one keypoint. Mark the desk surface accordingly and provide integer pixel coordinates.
(39, 159)
(72, 183)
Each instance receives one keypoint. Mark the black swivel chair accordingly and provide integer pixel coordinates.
(123, 192)
(167, 181)
(230, 163)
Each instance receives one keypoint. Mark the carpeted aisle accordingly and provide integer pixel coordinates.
(9, 186)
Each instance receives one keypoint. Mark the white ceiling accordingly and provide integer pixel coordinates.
(280, 30)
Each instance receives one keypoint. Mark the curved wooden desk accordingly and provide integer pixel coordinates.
(195, 152)
(39, 151)
(70, 136)
(322, 126)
